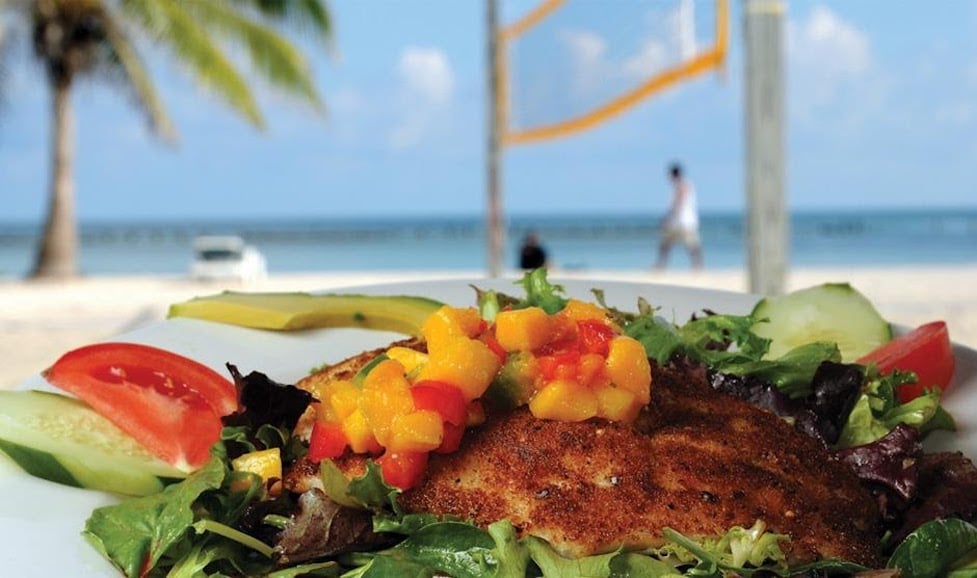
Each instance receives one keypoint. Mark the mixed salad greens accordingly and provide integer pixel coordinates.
(223, 522)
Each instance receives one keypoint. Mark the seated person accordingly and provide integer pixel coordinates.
(532, 255)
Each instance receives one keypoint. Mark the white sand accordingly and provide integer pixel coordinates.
(41, 320)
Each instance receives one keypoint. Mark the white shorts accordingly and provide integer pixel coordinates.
(688, 237)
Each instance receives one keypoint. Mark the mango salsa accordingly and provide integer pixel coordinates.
(573, 365)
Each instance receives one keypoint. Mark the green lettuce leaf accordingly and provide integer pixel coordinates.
(553, 565)
(453, 548)
(877, 411)
(938, 548)
(135, 534)
(512, 554)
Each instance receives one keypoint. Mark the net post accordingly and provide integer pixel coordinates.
(495, 231)
(768, 236)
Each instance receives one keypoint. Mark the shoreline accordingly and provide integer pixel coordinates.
(40, 320)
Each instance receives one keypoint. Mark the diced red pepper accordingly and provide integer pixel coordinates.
(595, 336)
(403, 469)
(327, 441)
(489, 339)
(561, 347)
(441, 397)
(452, 438)
(561, 365)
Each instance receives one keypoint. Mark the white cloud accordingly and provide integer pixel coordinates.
(425, 72)
(668, 38)
(842, 48)
(587, 51)
(586, 48)
(650, 60)
(827, 56)
(427, 85)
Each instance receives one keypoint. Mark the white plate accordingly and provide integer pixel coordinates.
(40, 522)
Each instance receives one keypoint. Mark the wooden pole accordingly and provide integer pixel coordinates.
(768, 236)
(495, 229)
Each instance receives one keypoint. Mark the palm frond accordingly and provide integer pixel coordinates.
(305, 15)
(171, 23)
(271, 55)
(136, 75)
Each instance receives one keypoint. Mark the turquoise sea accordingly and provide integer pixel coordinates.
(605, 242)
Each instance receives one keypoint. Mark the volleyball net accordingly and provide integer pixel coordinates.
(569, 65)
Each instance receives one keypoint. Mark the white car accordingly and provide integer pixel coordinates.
(226, 257)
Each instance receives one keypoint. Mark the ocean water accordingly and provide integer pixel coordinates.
(581, 242)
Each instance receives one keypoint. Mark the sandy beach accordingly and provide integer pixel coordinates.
(41, 320)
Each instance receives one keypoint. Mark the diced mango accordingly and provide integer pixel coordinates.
(388, 370)
(449, 323)
(411, 359)
(344, 398)
(628, 367)
(617, 404)
(381, 406)
(468, 364)
(324, 412)
(577, 310)
(469, 320)
(590, 370)
(385, 395)
(360, 435)
(321, 390)
(418, 431)
(265, 463)
(564, 400)
(524, 329)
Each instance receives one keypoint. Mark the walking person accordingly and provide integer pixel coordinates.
(681, 223)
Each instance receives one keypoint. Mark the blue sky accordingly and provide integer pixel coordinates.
(881, 105)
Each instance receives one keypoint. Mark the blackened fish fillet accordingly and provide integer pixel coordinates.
(696, 461)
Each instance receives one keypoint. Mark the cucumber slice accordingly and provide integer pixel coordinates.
(291, 311)
(832, 312)
(61, 439)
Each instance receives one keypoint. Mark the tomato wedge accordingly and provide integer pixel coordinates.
(170, 404)
(926, 351)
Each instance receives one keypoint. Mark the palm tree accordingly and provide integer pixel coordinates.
(73, 38)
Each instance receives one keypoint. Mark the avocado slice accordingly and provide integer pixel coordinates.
(292, 311)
